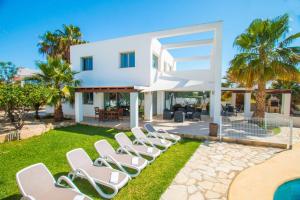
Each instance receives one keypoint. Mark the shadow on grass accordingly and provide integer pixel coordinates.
(84, 186)
(90, 130)
(13, 197)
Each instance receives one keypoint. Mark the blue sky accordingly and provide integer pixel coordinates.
(21, 22)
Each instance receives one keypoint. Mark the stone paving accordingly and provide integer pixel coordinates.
(209, 172)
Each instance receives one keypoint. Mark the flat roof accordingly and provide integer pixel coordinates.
(249, 90)
(107, 89)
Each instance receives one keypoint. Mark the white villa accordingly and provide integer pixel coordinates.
(142, 64)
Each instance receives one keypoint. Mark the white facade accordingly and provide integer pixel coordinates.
(107, 72)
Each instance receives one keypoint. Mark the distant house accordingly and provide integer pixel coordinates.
(114, 72)
(24, 73)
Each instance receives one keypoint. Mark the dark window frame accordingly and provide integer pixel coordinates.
(89, 99)
(87, 68)
(155, 57)
(128, 62)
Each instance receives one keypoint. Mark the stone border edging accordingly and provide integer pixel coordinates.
(262, 180)
(236, 141)
(45, 128)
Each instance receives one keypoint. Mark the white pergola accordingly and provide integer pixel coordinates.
(200, 80)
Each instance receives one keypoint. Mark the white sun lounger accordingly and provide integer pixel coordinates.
(99, 172)
(161, 133)
(122, 158)
(153, 141)
(140, 149)
(37, 183)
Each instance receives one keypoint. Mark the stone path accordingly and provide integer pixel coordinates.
(209, 172)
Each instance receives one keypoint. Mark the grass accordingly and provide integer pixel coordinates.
(50, 148)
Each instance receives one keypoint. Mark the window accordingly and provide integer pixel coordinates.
(88, 98)
(127, 60)
(87, 63)
(154, 61)
(167, 67)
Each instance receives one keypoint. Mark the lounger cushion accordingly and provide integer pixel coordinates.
(37, 182)
(127, 160)
(170, 137)
(144, 150)
(103, 174)
(61, 194)
(160, 142)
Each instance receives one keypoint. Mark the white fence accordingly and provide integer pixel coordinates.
(269, 130)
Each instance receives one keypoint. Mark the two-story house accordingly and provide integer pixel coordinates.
(114, 72)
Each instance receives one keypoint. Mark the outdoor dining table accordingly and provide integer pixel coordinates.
(108, 115)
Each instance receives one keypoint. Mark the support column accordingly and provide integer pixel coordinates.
(211, 104)
(78, 107)
(286, 104)
(148, 110)
(216, 65)
(134, 109)
(160, 102)
(233, 99)
(247, 105)
(99, 100)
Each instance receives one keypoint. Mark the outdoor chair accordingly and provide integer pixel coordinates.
(152, 141)
(122, 158)
(179, 116)
(96, 112)
(99, 172)
(101, 115)
(140, 149)
(168, 115)
(161, 133)
(37, 183)
(197, 115)
(120, 113)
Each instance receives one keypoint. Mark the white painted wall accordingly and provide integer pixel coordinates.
(164, 56)
(160, 102)
(148, 106)
(106, 62)
(286, 104)
(87, 109)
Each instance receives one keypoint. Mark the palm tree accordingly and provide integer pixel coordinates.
(58, 43)
(59, 77)
(265, 54)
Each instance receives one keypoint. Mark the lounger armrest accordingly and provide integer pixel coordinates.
(94, 184)
(164, 131)
(28, 197)
(147, 141)
(108, 157)
(139, 142)
(123, 150)
(156, 135)
(132, 149)
(100, 161)
(68, 181)
(160, 135)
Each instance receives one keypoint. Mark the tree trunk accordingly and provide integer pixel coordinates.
(58, 112)
(36, 108)
(260, 100)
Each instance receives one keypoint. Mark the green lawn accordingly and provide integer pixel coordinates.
(51, 147)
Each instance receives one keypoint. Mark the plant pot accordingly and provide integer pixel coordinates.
(213, 129)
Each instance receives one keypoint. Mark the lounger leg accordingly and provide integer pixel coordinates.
(112, 160)
(96, 187)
